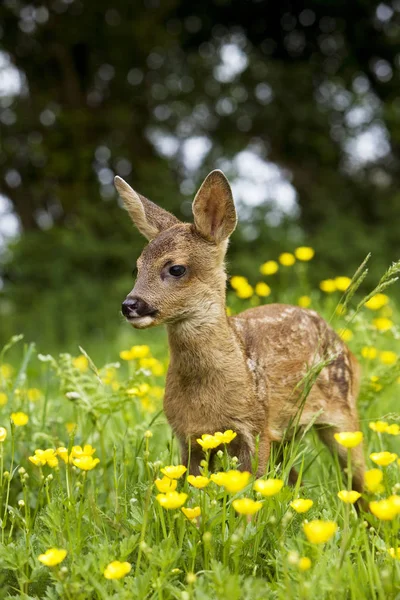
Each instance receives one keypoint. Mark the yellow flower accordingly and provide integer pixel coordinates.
(304, 301)
(42, 457)
(233, 481)
(19, 419)
(238, 281)
(369, 352)
(208, 442)
(394, 553)
(304, 563)
(342, 283)
(225, 437)
(319, 532)
(393, 429)
(6, 371)
(81, 363)
(126, 355)
(268, 487)
(85, 463)
(228, 311)
(70, 426)
(384, 510)
(346, 334)
(377, 301)
(52, 557)
(304, 253)
(172, 500)
(87, 450)
(198, 481)
(349, 439)
(383, 459)
(348, 497)
(33, 394)
(262, 289)
(108, 375)
(3, 399)
(246, 506)
(301, 505)
(373, 481)
(37, 460)
(378, 426)
(140, 351)
(287, 259)
(63, 454)
(374, 383)
(395, 500)
(117, 570)
(191, 513)
(153, 365)
(328, 286)
(166, 484)
(3, 434)
(382, 323)
(269, 268)
(174, 472)
(244, 292)
(387, 357)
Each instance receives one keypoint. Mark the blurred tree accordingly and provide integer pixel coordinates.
(128, 88)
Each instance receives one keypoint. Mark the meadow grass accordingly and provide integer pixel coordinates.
(60, 414)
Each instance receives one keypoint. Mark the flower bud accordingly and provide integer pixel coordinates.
(191, 578)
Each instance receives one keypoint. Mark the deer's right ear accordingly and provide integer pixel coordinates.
(213, 208)
(149, 218)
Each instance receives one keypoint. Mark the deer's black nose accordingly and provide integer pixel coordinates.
(136, 307)
(128, 306)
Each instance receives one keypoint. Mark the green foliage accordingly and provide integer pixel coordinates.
(111, 512)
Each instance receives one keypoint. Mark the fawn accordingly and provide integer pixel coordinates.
(245, 372)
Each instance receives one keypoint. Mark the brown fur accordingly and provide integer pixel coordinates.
(246, 372)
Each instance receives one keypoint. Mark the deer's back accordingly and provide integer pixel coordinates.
(281, 343)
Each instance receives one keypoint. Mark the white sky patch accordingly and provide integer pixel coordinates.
(260, 181)
(10, 78)
(9, 224)
(194, 151)
(233, 62)
(165, 144)
(369, 146)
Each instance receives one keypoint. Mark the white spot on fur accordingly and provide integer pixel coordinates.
(251, 363)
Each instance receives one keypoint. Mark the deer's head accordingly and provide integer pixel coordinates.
(181, 272)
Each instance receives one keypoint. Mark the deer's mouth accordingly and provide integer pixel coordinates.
(142, 321)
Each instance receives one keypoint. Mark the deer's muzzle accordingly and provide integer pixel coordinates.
(134, 307)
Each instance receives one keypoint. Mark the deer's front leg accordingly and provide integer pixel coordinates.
(245, 451)
(196, 456)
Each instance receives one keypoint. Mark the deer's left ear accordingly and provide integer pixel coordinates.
(149, 218)
(213, 208)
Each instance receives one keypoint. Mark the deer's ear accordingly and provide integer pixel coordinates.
(213, 208)
(149, 218)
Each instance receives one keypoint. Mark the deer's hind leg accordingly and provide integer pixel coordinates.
(326, 434)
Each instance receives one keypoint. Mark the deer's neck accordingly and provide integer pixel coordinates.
(204, 345)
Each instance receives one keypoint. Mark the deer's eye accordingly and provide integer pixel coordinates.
(177, 270)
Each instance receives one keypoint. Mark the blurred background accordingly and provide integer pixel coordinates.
(297, 102)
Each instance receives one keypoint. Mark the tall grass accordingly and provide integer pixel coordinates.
(111, 511)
